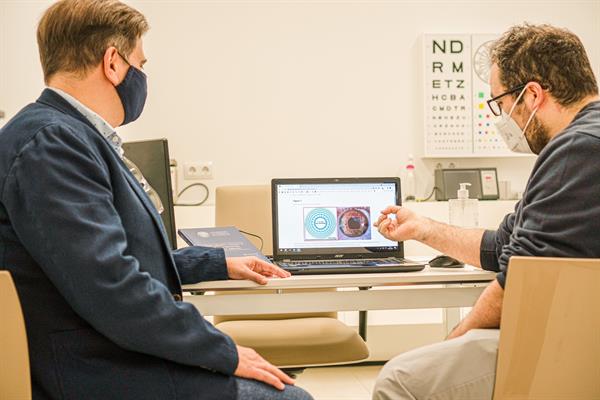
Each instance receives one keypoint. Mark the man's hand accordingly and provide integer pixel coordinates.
(254, 269)
(406, 224)
(252, 366)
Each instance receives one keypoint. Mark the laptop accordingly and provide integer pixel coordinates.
(325, 226)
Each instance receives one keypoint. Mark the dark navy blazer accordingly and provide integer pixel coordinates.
(96, 278)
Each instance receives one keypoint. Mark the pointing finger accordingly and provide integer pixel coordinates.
(391, 210)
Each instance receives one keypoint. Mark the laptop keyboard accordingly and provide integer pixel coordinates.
(363, 262)
(365, 266)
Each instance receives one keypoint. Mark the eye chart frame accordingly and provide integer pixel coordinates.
(458, 122)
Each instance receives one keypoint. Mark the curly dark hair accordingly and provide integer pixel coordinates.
(553, 57)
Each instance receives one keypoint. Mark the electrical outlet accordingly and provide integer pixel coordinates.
(198, 170)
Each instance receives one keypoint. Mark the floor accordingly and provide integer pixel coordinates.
(339, 383)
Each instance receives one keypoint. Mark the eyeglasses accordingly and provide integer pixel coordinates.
(495, 105)
(140, 68)
(152, 194)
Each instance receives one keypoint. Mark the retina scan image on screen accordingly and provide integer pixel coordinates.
(329, 215)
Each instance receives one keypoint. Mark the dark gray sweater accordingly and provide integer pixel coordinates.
(559, 215)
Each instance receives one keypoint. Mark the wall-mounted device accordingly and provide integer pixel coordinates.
(484, 183)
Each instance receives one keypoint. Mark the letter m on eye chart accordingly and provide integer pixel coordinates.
(448, 110)
(456, 86)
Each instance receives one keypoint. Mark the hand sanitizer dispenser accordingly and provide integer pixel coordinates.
(463, 210)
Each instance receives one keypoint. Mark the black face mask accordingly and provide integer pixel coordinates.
(132, 91)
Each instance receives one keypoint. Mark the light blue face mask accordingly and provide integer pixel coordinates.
(132, 91)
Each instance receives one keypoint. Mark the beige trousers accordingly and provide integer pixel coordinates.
(463, 369)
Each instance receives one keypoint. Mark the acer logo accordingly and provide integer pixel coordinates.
(338, 256)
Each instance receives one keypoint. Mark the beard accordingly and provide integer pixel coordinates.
(536, 133)
(538, 136)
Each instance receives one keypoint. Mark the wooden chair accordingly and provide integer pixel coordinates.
(550, 332)
(15, 382)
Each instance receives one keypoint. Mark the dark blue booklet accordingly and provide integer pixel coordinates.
(229, 238)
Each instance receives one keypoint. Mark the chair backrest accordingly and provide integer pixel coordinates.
(247, 207)
(15, 382)
(550, 332)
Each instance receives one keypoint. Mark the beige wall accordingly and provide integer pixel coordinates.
(293, 88)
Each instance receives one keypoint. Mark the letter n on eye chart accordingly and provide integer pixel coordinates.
(456, 87)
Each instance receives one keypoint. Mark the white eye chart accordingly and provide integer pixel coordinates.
(458, 122)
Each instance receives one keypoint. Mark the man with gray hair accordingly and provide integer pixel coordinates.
(545, 97)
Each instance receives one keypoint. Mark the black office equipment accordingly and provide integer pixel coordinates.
(444, 261)
(325, 226)
(484, 183)
(152, 158)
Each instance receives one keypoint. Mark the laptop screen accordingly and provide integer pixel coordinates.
(332, 217)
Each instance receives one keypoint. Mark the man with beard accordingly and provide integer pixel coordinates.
(545, 96)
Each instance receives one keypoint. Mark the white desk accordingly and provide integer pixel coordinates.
(430, 288)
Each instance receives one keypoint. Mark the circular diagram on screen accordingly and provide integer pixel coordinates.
(353, 222)
(320, 223)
